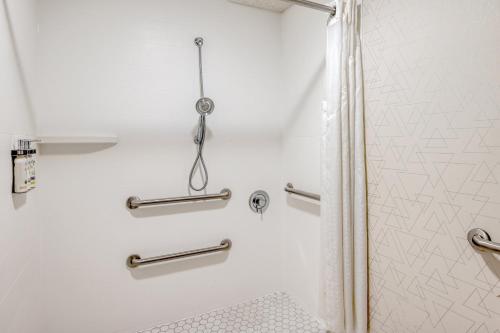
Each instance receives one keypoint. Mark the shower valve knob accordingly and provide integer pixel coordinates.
(259, 202)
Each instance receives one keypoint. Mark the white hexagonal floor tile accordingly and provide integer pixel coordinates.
(273, 313)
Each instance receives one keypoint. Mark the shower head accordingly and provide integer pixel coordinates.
(205, 106)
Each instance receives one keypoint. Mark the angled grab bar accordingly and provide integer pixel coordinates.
(135, 260)
(481, 240)
(290, 189)
(136, 202)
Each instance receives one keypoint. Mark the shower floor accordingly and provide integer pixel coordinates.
(276, 312)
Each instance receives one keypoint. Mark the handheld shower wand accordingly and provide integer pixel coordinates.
(204, 106)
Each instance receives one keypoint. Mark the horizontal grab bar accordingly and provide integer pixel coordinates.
(481, 240)
(290, 189)
(135, 260)
(136, 202)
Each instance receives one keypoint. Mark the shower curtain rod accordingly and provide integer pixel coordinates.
(314, 5)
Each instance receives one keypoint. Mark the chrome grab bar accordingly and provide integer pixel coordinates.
(481, 240)
(136, 202)
(290, 189)
(135, 260)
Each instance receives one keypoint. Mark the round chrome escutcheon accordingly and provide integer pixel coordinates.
(480, 233)
(259, 201)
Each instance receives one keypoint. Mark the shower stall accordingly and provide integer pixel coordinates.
(250, 166)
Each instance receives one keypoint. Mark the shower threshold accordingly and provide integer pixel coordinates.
(273, 313)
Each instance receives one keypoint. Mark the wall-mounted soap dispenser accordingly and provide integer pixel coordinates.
(23, 166)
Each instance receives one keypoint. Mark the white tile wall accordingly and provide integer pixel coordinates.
(303, 42)
(132, 70)
(19, 226)
(146, 97)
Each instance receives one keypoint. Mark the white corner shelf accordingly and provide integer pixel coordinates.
(108, 139)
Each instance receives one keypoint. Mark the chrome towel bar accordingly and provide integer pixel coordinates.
(135, 260)
(481, 240)
(136, 202)
(290, 189)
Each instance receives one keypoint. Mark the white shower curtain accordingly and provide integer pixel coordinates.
(344, 276)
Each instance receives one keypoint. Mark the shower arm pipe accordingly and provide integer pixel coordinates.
(290, 189)
(135, 260)
(136, 202)
(314, 5)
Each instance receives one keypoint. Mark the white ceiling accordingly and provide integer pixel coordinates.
(273, 5)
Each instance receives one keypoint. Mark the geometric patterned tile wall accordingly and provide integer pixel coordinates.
(432, 92)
